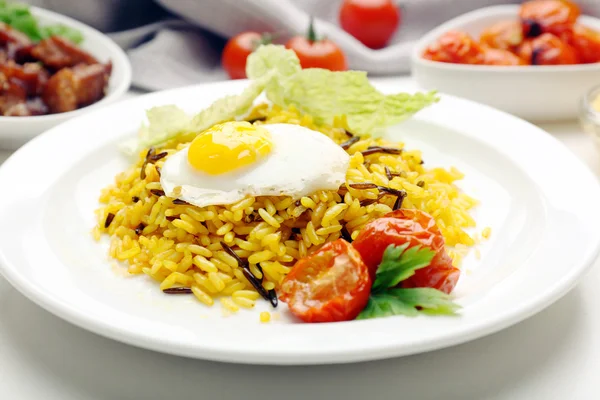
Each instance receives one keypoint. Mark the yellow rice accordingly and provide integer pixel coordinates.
(179, 245)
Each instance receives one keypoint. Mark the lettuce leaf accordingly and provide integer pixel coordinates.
(326, 94)
(229, 107)
(168, 122)
(19, 17)
(276, 71)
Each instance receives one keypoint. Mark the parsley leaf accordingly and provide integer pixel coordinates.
(385, 305)
(399, 263)
(409, 302)
(428, 300)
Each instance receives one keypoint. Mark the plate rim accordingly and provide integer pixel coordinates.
(67, 312)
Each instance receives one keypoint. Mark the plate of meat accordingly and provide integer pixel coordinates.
(53, 68)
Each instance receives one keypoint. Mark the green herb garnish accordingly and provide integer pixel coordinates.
(19, 17)
(398, 264)
(73, 35)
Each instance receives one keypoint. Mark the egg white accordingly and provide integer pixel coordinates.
(301, 162)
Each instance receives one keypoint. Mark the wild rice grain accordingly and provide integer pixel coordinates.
(178, 290)
(140, 228)
(388, 173)
(157, 192)
(257, 285)
(364, 185)
(109, 219)
(380, 149)
(158, 156)
(346, 145)
(149, 154)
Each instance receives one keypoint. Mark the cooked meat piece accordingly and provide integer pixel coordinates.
(56, 52)
(60, 93)
(32, 76)
(30, 108)
(92, 81)
(17, 110)
(11, 94)
(10, 35)
(80, 86)
(21, 54)
(37, 107)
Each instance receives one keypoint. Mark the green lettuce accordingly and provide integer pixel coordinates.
(168, 122)
(276, 71)
(326, 94)
(19, 17)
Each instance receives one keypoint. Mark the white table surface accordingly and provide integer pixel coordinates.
(553, 355)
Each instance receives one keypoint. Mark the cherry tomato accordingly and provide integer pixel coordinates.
(548, 16)
(455, 47)
(330, 285)
(505, 35)
(500, 57)
(586, 43)
(317, 53)
(547, 49)
(237, 49)
(372, 22)
(417, 228)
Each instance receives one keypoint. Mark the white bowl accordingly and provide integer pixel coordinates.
(536, 93)
(15, 131)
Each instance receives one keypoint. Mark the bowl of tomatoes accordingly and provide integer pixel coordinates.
(535, 60)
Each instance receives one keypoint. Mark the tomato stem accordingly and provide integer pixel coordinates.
(265, 38)
(311, 34)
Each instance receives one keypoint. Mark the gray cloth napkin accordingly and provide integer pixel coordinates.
(186, 49)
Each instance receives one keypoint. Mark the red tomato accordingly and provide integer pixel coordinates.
(586, 43)
(373, 22)
(500, 57)
(237, 49)
(317, 53)
(417, 228)
(455, 47)
(330, 285)
(505, 35)
(548, 16)
(547, 49)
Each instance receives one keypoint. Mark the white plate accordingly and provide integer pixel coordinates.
(537, 93)
(14, 131)
(540, 201)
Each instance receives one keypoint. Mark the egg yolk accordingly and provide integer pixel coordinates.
(229, 146)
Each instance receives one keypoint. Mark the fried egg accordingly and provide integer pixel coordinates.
(234, 160)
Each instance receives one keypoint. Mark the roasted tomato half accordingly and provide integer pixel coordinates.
(505, 35)
(547, 49)
(417, 228)
(330, 285)
(500, 57)
(586, 43)
(548, 16)
(454, 47)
